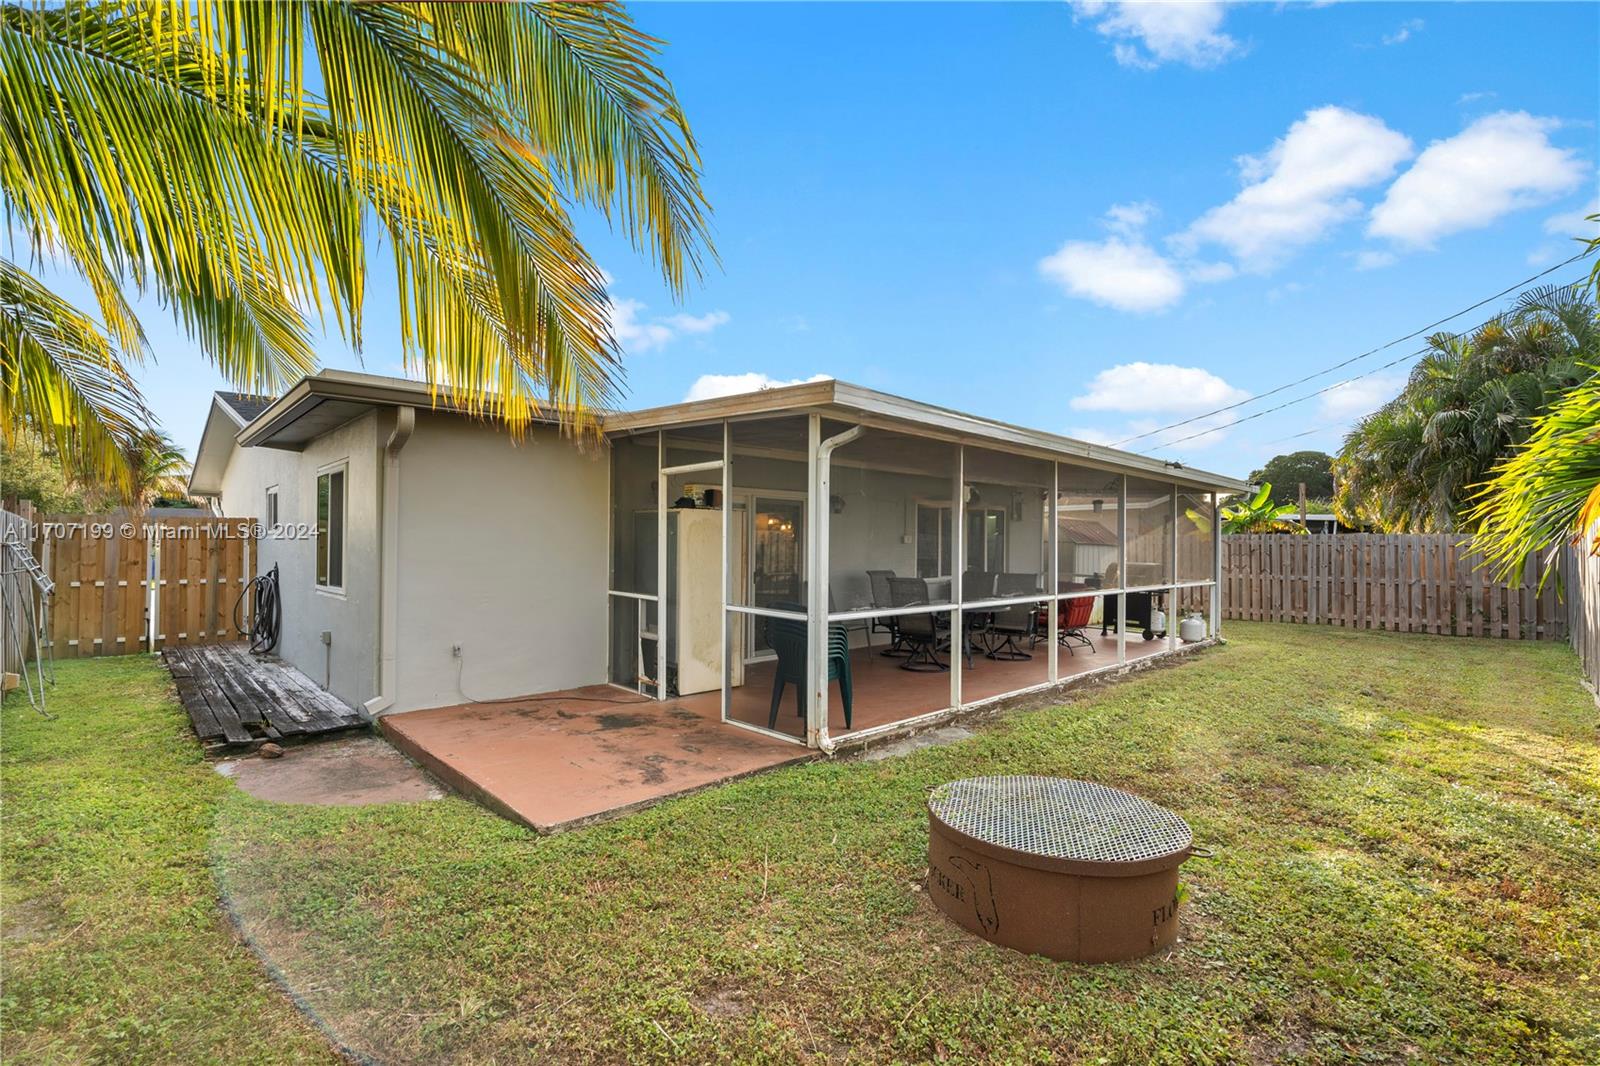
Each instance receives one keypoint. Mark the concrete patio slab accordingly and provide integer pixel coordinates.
(561, 759)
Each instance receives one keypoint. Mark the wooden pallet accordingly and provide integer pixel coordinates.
(237, 700)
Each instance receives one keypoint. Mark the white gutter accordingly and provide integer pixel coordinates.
(405, 423)
(817, 608)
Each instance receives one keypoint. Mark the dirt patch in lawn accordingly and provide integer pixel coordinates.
(347, 772)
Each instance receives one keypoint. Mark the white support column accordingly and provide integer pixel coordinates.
(662, 606)
(816, 593)
(1122, 568)
(1216, 566)
(1172, 575)
(1053, 569)
(726, 501)
(958, 556)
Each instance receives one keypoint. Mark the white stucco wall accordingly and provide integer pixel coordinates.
(503, 550)
(347, 666)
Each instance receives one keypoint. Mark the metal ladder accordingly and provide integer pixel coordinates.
(20, 560)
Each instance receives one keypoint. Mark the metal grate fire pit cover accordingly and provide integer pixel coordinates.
(1068, 869)
(1055, 823)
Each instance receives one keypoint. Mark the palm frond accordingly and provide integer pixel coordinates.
(175, 147)
(63, 379)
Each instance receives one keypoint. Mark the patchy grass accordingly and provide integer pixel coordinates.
(1406, 829)
(114, 948)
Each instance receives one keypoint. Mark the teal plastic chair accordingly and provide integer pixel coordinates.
(787, 638)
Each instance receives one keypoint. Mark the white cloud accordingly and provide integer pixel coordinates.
(1471, 98)
(1152, 388)
(1122, 271)
(638, 334)
(1356, 398)
(1209, 272)
(710, 386)
(1093, 435)
(1129, 219)
(1567, 227)
(1374, 259)
(1300, 189)
(1145, 35)
(1574, 223)
(1498, 164)
(697, 323)
(1403, 34)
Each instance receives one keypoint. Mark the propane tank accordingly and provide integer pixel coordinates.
(1192, 628)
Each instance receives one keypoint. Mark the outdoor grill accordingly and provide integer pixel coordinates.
(1068, 869)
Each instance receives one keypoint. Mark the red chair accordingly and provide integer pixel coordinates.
(1073, 620)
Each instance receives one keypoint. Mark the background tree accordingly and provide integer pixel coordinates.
(185, 150)
(1413, 465)
(1286, 472)
(29, 470)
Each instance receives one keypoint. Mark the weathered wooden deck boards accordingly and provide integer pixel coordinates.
(236, 699)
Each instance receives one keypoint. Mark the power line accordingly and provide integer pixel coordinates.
(1291, 403)
(1302, 433)
(1352, 359)
(1310, 395)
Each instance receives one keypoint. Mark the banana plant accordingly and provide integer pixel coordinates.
(1255, 515)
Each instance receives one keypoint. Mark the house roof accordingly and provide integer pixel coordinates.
(324, 401)
(852, 403)
(244, 405)
(217, 441)
(327, 400)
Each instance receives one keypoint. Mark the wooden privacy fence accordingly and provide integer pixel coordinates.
(1411, 583)
(129, 583)
(1582, 573)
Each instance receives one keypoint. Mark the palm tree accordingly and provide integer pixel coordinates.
(1547, 494)
(1412, 465)
(182, 149)
(160, 470)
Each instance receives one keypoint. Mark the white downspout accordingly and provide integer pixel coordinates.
(817, 609)
(405, 424)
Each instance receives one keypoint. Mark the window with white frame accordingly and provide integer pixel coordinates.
(986, 539)
(269, 516)
(330, 527)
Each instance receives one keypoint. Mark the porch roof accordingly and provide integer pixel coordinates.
(853, 403)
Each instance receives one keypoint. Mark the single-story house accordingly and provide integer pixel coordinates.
(427, 558)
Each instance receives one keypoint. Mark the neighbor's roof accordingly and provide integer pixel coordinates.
(1081, 532)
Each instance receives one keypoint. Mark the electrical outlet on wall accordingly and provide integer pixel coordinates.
(455, 651)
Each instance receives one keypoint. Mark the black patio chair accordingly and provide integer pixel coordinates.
(918, 632)
(1014, 624)
(882, 596)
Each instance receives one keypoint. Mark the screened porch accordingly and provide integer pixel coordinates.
(964, 562)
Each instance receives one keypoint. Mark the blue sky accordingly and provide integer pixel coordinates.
(1094, 219)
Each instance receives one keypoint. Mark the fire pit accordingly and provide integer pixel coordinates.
(1050, 866)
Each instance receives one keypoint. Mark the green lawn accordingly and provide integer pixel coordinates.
(1406, 828)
